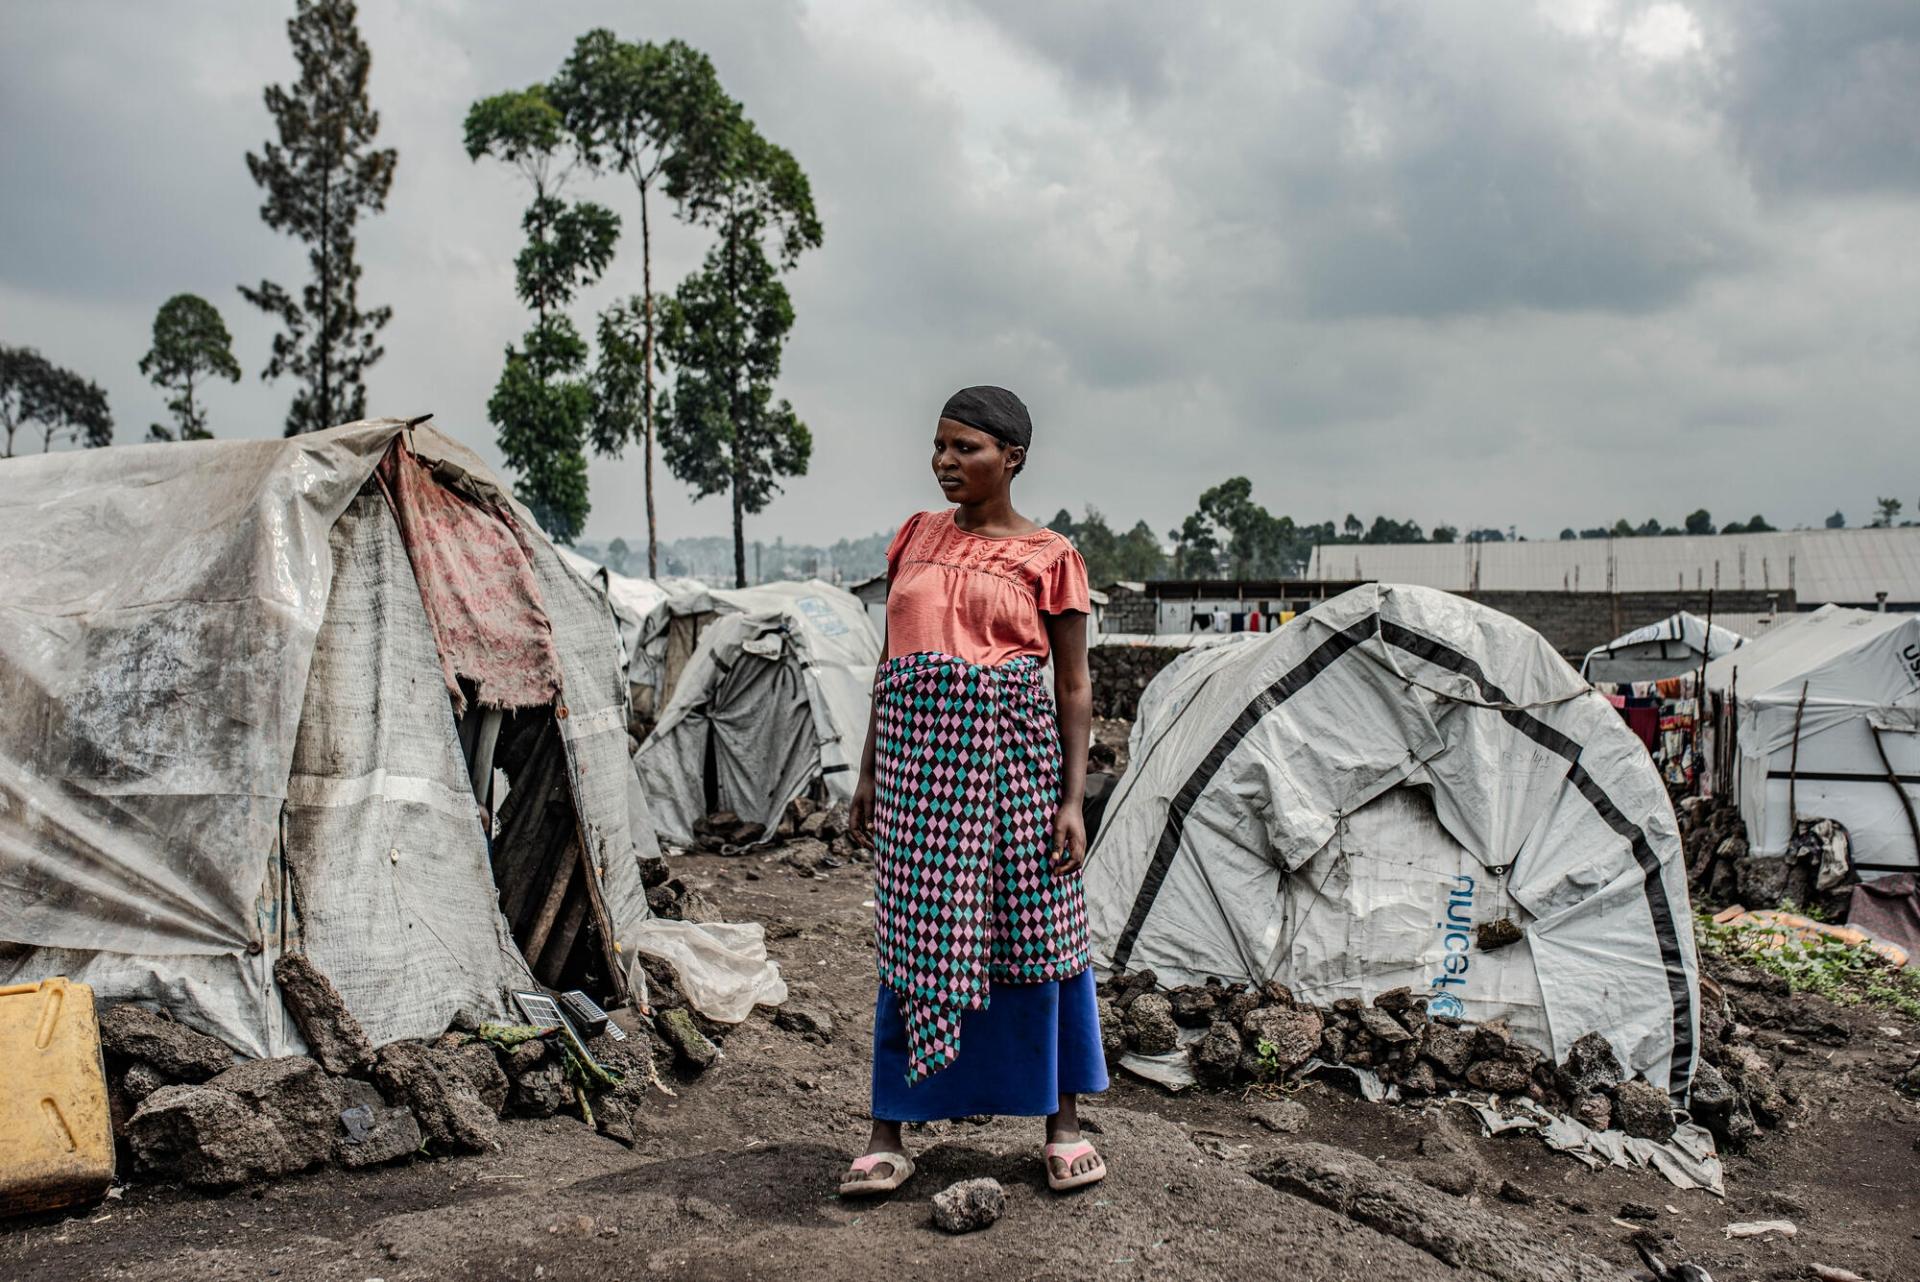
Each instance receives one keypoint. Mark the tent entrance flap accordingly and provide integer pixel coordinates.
(549, 882)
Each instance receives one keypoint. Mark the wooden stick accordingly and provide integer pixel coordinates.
(616, 964)
(1899, 790)
(543, 924)
(1793, 762)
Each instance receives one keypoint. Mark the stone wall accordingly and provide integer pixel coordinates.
(1576, 622)
(1120, 672)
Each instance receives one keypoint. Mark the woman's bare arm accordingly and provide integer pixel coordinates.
(1073, 698)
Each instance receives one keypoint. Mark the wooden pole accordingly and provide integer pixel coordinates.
(1913, 824)
(1793, 762)
(1700, 698)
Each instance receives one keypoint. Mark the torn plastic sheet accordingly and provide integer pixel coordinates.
(1372, 1089)
(1689, 1160)
(722, 967)
(1171, 1069)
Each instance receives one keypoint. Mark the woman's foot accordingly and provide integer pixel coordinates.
(884, 1167)
(1071, 1161)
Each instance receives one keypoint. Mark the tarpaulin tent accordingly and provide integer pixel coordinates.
(1343, 803)
(229, 733)
(1827, 718)
(773, 700)
(1667, 648)
(632, 602)
(670, 631)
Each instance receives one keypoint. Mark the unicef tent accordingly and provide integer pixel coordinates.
(1348, 805)
(1826, 721)
(772, 701)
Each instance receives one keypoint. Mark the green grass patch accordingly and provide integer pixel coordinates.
(1841, 972)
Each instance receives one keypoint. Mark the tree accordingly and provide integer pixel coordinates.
(1386, 530)
(1568, 533)
(541, 407)
(319, 178)
(1486, 535)
(36, 392)
(1699, 521)
(617, 554)
(1888, 512)
(1137, 556)
(1757, 525)
(1352, 529)
(653, 113)
(1196, 550)
(190, 342)
(1837, 521)
(726, 327)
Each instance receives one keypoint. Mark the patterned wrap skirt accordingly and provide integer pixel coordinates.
(967, 783)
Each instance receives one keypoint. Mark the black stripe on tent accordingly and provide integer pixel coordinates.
(834, 770)
(1322, 658)
(1885, 867)
(1665, 926)
(1266, 701)
(1838, 776)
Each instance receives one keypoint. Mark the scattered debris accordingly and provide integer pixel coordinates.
(969, 1205)
(1759, 1228)
(679, 1031)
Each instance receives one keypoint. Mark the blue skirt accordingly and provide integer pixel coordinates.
(1031, 1045)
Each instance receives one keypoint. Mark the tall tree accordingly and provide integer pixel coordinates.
(654, 113)
(725, 329)
(1887, 511)
(541, 406)
(34, 392)
(190, 343)
(321, 175)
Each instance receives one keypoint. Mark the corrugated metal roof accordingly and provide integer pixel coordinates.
(1845, 566)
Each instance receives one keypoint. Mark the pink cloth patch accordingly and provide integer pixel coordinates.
(475, 572)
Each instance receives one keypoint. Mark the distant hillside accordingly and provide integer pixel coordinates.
(711, 559)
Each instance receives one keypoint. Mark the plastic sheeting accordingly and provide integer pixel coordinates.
(722, 967)
(220, 747)
(1340, 804)
(1860, 673)
(778, 698)
(1663, 649)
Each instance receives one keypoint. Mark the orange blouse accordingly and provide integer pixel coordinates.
(977, 598)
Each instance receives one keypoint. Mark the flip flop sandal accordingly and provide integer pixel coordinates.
(902, 1170)
(1068, 1154)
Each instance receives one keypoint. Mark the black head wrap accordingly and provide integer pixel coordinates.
(993, 410)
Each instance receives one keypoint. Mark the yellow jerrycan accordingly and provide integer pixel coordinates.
(56, 1135)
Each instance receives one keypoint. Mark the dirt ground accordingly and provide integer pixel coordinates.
(735, 1177)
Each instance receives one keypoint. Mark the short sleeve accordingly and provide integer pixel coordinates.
(1062, 588)
(901, 539)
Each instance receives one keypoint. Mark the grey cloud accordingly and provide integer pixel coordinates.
(1450, 264)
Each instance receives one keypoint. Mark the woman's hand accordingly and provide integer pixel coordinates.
(860, 812)
(1069, 839)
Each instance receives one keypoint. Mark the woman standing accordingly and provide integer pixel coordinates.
(969, 795)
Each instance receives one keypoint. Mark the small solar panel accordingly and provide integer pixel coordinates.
(540, 1010)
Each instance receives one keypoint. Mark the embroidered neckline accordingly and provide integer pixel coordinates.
(995, 538)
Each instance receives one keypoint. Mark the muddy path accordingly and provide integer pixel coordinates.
(734, 1177)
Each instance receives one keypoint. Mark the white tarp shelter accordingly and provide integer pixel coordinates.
(1667, 648)
(632, 602)
(774, 697)
(226, 736)
(1340, 804)
(1859, 672)
(671, 629)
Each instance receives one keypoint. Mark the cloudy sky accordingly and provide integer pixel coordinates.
(1533, 264)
